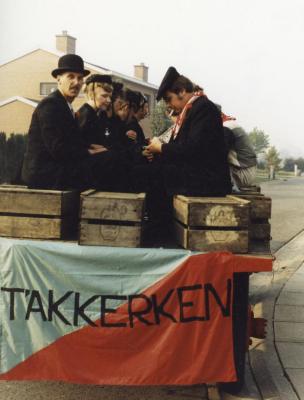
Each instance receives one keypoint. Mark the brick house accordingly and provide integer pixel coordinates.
(27, 79)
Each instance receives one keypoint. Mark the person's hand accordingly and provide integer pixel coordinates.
(132, 135)
(155, 146)
(149, 156)
(96, 148)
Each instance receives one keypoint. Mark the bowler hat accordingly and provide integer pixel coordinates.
(167, 82)
(70, 62)
(99, 78)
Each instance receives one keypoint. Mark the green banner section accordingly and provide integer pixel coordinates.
(50, 289)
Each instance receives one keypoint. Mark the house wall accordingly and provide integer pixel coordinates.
(15, 117)
(22, 77)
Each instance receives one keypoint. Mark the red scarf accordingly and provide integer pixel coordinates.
(182, 115)
(227, 118)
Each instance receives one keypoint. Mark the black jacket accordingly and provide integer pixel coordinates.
(199, 153)
(134, 125)
(54, 145)
(99, 129)
(110, 133)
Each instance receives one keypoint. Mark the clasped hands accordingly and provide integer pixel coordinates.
(153, 147)
(96, 148)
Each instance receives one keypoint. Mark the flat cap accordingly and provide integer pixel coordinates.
(167, 82)
(99, 78)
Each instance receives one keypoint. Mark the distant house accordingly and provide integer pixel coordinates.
(27, 79)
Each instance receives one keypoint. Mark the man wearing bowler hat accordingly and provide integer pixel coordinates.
(56, 156)
(195, 159)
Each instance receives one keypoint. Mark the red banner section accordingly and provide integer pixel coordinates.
(177, 331)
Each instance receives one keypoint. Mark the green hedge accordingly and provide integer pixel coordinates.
(12, 150)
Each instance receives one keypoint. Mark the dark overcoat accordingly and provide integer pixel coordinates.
(54, 144)
(195, 163)
(57, 157)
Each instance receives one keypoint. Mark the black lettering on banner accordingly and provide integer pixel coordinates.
(79, 309)
(225, 309)
(105, 310)
(207, 305)
(159, 308)
(183, 304)
(35, 296)
(139, 313)
(139, 306)
(12, 292)
(53, 306)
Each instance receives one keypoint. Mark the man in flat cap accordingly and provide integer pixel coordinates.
(56, 156)
(196, 154)
(194, 162)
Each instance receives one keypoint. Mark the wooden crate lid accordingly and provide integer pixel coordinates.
(211, 211)
(211, 200)
(110, 206)
(92, 193)
(21, 200)
(260, 205)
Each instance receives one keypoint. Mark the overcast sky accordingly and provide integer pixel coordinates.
(248, 55)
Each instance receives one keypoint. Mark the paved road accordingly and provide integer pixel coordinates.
(287, 221)
(287, 209)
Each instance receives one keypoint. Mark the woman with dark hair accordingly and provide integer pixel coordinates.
(118, 125)
(139, 109)
(119, 114)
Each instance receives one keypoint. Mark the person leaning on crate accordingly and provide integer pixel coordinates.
(242, 159)
(56, 156)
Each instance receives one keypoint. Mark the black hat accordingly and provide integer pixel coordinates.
(99, 78)
(70, 62)
(136, 98)
(117, 86)
(167, 82)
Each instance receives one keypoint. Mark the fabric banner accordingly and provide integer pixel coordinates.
(117, 316)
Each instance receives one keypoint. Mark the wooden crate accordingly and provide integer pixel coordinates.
(38, 214)
(259, 247)
(211, 223)
(260, 230)
(260, 213)
(260, 205)
(111, 219)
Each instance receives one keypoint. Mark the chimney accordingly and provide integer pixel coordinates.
(141, 72)
(66, 43)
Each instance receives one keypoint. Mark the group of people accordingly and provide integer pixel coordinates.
(103, 146)
(92, 148)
